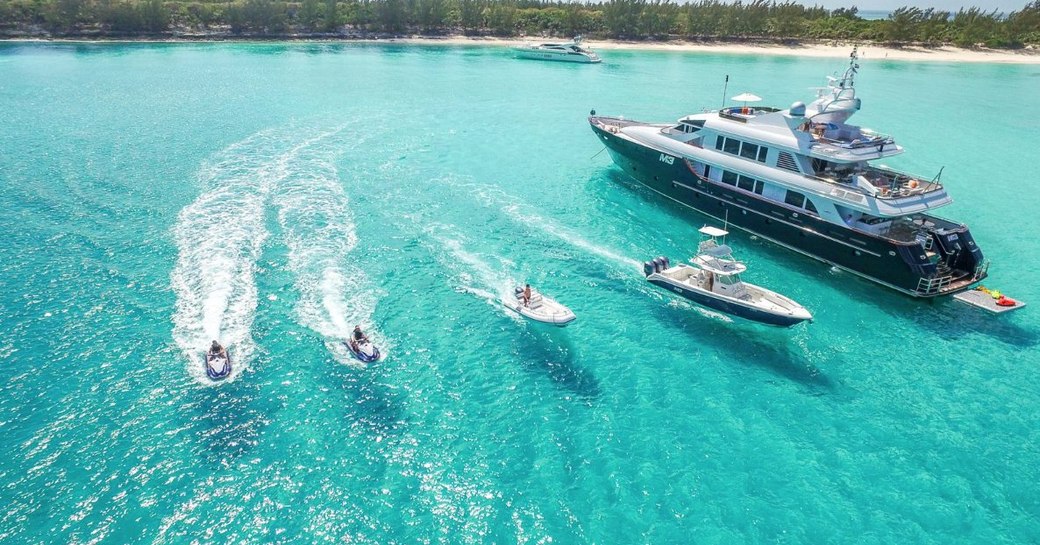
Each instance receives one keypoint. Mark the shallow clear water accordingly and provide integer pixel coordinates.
(155, 196)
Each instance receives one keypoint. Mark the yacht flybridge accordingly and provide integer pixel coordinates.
(804, 178)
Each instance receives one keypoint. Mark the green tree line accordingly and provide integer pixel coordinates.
(625, 19)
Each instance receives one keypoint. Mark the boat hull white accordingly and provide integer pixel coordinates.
(763, 306)
(543, 55)
(541, 309)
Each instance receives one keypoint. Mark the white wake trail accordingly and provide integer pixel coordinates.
(476, 275)
(494, 196)
(319, 232)
(220, 238)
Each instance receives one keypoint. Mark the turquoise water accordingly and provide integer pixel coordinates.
(155, 196)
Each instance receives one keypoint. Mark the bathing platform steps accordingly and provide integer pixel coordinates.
(990, 300)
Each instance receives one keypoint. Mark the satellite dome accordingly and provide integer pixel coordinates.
(798, 109)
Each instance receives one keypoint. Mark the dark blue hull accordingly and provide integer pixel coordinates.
(902, 266)
(728, 307)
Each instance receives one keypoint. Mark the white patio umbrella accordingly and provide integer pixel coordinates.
(746, 97)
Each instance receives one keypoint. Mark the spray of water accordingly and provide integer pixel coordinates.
(219, 238)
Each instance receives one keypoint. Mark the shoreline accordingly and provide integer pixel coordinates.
(868, 52)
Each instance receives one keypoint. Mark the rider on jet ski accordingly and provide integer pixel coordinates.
(216, 350)
(359, 336)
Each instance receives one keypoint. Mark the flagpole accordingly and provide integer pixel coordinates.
(724, 88)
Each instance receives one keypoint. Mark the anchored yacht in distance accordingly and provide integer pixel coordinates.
(802, 178)
(571, 51)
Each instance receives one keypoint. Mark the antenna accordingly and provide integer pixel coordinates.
(724, 88)
(725, 224)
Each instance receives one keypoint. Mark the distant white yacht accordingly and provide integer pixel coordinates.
(804, 178)
(571, 51)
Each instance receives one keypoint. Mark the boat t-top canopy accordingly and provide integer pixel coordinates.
(713, 231)
(716, 264)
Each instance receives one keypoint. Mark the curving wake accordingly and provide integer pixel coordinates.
(319, 231)
(219, 238)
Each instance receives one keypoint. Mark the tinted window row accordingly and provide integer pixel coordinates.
(744, 182)
(747, 183)
(747, 150)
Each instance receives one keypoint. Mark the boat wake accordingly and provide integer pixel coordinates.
(530, 219)
(475, 274)
(319, 233)
(220, 238)
(492, 196)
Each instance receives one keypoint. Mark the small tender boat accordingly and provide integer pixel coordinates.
(540, 308)
(571, 51)
(714, 282)
(363, 350)
(218, 364)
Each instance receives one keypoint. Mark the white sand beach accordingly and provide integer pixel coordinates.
(866, 52)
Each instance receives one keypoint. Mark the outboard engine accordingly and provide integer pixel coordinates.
(664, 262)
(648, 268)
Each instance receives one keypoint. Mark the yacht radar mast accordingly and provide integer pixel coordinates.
(836, 102)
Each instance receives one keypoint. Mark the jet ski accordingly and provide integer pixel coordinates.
(363, 350)
(540, 308)
(218, 365)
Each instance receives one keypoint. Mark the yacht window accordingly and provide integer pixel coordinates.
(794, 198)
(718, 142)
(762, 154)
(820, 165)
(749, 150)
(691, 127)
(758, 186)
(707, 171)
(729, 177)
(745, 183)
(731, 146)
(810, 206)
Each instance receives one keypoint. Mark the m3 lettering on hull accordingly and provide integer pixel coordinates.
(667, 159)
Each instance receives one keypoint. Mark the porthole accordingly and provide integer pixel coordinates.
(891, 253)
(858, 252)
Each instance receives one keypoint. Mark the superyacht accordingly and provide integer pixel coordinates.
(804, 179)
(571, 51)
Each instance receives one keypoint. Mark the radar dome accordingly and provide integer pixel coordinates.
(798, 109)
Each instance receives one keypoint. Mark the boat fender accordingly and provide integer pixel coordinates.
(648, 268)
